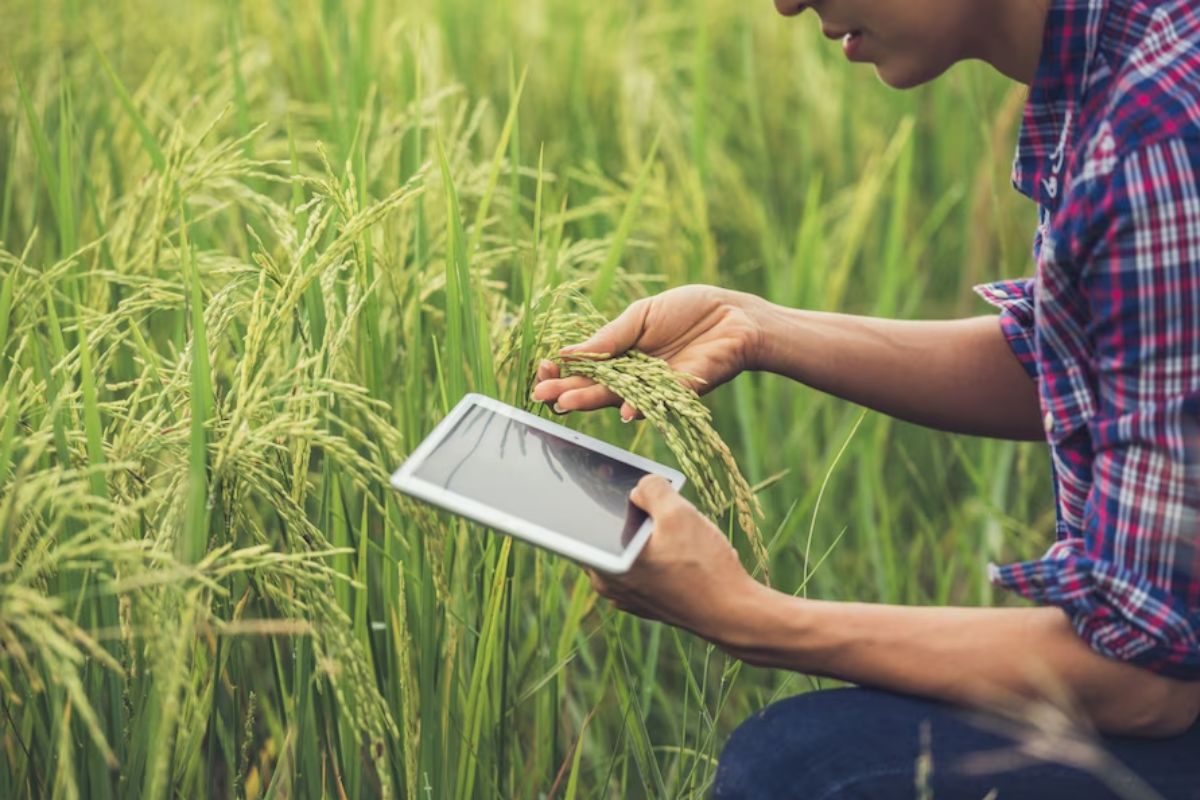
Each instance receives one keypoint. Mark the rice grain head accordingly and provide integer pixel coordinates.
(662, 394)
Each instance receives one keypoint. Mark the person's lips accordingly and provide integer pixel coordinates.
(851, 39)
(852, 46)
(837, 33)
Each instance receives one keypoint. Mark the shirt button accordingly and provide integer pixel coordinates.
(1048, 422)
(1000, 294)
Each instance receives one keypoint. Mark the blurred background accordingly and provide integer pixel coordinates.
(251, 254)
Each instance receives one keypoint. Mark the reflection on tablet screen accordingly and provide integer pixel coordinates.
(539, 477)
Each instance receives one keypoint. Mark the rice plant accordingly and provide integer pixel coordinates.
(251, 253)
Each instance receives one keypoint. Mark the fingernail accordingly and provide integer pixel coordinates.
(568, 348)
(559, 409)
(625, 418)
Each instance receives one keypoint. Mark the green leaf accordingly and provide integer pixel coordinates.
(485, 200)
(195, 535)
(149, 143)
(616, 251)
(6, 298)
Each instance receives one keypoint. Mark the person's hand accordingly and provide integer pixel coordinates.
(705, 331)
(688, 574)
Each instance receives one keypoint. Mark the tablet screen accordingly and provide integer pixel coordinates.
(539, 477)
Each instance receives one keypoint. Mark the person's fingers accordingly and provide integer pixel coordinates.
(550, 390)
(547, 370)
(655, 495)
(617, 336)
(629, 413)
(692, 367)
(575, 393)
(587, 399)
(599, 585)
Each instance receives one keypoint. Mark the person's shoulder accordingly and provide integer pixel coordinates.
(1152, 51)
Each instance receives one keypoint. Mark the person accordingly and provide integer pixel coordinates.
(1098, 355)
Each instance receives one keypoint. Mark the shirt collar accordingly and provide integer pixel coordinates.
(1069, 44)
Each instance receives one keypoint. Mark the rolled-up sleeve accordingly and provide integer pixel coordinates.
(1014, 298)
(1131, 583)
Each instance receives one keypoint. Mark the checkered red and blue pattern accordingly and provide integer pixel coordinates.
(1110, 326)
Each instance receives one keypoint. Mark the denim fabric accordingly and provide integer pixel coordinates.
(844, 744)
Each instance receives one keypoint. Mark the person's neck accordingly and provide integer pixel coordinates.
(1011, 36)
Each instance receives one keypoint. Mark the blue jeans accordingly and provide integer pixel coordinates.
(861, 743)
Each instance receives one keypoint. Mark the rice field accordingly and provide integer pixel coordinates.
(250, 253)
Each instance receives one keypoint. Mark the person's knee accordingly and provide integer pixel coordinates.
(745, 759)
(792, 748)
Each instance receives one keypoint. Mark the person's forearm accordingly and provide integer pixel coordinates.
(955, 375)
(967, 656)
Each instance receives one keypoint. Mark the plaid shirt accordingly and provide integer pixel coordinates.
(1110, 326)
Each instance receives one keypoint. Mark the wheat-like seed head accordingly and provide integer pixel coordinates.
(663, 395)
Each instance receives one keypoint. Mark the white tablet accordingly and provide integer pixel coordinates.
(534, 479)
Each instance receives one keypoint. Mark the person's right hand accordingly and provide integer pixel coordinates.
(705, 331)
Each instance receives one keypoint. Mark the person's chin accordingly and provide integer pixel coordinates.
(904, 74)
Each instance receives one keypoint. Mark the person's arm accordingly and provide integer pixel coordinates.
(955, 375)
(688, 575)
(967, 656)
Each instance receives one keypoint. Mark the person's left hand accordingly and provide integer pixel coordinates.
(688, 574)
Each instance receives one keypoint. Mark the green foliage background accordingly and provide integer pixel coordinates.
(253, 251)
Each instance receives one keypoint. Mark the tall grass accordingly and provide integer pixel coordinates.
(252, 252)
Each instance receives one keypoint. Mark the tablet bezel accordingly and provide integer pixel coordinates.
(406, 481)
